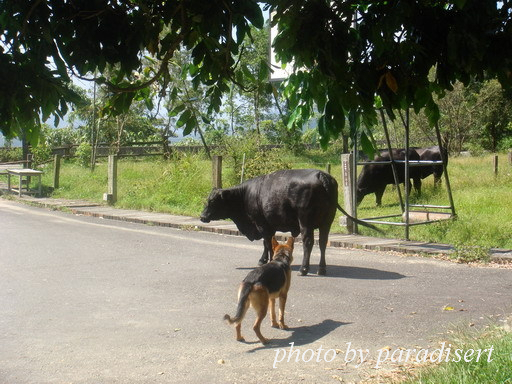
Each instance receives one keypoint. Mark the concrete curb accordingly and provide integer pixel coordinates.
(86, 208)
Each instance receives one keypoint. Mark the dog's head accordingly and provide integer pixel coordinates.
(283, 251)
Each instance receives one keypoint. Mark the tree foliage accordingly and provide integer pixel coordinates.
(42, 41)
(346, 53)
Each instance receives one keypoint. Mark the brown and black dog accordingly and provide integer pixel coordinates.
(262, 286)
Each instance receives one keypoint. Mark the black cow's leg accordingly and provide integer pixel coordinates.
(307, 245)
(378, 195)
(437, 179)
(267, 251)
(417, 185)
(322, 242)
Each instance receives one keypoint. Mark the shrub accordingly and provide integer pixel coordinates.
(264, 162)
(83, 154)
(505, 144)
(41, 154)
(10, 154)
(236, 148)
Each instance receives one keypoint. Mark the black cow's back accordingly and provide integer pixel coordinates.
(289, 200)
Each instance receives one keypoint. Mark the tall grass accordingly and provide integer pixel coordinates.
(493, 369)
(482, 204)
(180, 186)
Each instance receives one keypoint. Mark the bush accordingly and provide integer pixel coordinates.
(505, 144)
(10, 154)
(278, 133)
(41, 154)
(234, 150)
(264, 162)
(83, 154)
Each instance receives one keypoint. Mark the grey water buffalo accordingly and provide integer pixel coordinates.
(295, 200)
(375, 177)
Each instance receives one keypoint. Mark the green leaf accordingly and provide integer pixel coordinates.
(179, 108)
(321, 125)
(354, 121)
(432, 112)
(190, 125)
(460, 3)
(253, 13)
(263, 71)
(293, 117)
(421, 97)
(367, 146)
(184, 118)
(248, 74)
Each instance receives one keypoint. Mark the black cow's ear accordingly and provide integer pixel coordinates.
(223, 193)
(214, 193)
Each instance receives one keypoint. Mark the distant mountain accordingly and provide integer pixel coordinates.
(14, 143)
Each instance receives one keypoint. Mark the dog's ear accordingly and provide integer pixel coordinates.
(274, 243)
(290, 242)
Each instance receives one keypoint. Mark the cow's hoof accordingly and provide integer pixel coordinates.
(321, 271)
(262, 262)
(303, 272)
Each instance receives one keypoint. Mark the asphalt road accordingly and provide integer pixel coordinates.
(85, 300)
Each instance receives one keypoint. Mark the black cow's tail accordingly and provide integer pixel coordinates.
(242, 307)
(359, 221)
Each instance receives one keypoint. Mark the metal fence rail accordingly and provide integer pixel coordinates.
(404, 202)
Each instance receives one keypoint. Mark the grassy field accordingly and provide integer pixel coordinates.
(482, 201)
(490, 368)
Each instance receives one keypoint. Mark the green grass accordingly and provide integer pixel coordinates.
(178, 187)
(482, 204)
(493, 369)
(482, 201)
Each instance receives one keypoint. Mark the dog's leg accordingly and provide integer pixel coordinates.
(238, 329)
(282, 304)
(238, 326)
(257, 324)
(273, 320)
(259, 301)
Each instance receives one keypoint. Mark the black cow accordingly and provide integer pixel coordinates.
(375, 177)
(295, 200)
(431, 154)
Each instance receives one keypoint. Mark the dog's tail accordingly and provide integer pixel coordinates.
(242, 307)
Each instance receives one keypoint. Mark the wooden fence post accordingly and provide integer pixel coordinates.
(217, 171)
(56, 171)
(346, 176)
(111, 195)
(328, 168)
(495, 165)
(509, 157)
(28, 163)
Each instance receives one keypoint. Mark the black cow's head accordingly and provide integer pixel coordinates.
(363, 188)
(217, 206)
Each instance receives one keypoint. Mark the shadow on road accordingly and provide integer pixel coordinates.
(304, 335)
(347, 272)
(356, 273)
